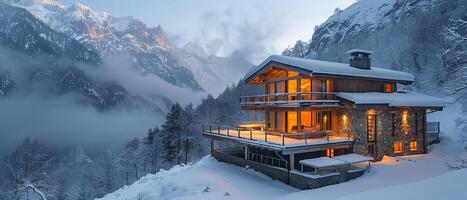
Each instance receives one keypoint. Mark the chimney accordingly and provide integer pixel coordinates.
(360, 58)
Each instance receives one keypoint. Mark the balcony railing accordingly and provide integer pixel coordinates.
(318, 98)
(432, 132)
(278, 138)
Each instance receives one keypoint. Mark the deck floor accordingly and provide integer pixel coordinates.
(261, 136)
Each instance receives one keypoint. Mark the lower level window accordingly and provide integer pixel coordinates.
(398, 147)
(413, 145)
(330, 153)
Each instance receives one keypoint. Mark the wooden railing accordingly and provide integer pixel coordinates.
(273, 137)
(327, 98)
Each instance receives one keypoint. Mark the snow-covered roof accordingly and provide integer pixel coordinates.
(396, 99)
(322, 162)
(353, 158)
(333, 68)
(359, 50)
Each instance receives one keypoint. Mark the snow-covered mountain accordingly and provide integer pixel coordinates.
(154, 54)
(37, 59)
(21, 31)
(425, 37)
(110, 35)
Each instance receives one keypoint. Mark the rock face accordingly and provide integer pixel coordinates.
(423, 37)
(21, 31)
(49, 40)
(149, 46)
(37, 59)
(109, 35)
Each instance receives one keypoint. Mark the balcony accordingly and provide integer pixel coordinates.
(277, 140)
(290, 99)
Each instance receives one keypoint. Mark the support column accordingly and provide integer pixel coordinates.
(212, 145)
(299, 120)
(246, 152)
(292, 161)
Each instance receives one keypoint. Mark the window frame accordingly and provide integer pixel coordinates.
(375, 128)
(400, 144)
(413, 145)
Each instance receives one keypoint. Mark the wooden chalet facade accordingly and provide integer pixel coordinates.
(318, 114)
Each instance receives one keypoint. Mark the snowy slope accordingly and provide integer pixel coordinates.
(430, 176)
(207, 179)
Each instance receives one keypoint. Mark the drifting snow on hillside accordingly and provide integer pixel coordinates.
(437, 175)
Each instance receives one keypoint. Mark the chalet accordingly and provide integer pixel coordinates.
(325, 121)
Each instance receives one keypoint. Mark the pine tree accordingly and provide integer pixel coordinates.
(171, 131)
(188, 126)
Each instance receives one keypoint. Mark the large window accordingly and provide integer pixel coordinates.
(371, 127)
(292, 122)
(292, 88)
(305, 119)
(388, 87)
(413, 145)
(305, 85)
(292, 73)
(398, 147)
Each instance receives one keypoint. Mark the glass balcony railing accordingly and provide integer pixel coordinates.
(277, 138)
(316, 98)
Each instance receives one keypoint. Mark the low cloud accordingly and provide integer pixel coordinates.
(121, 69)
(59, 120)
(251, 34)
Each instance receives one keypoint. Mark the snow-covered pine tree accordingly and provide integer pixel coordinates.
(154, 152)
(171, 131)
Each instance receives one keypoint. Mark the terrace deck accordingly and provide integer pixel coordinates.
(287, 143)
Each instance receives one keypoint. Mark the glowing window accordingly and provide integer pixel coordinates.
(292, 122)
(330, 153)
(292, 74)
(292, 89)
(305, 85)
(413, 145)
(398, 147)
(388, 87)
(305, 118)
(371, 128)
(405, 122)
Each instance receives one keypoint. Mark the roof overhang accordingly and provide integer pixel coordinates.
(394, 100)
(327, 69)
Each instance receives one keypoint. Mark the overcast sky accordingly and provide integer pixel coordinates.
(259, 27)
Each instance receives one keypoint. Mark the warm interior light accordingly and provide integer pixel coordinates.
(405, 122)
(330, 153)
(292, 122)
(413, 145)
(398, 147)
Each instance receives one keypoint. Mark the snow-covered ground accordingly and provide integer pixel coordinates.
(412, 177)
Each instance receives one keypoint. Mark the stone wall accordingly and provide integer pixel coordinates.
(355, 121)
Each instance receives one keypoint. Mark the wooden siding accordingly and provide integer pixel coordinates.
(358, 85)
